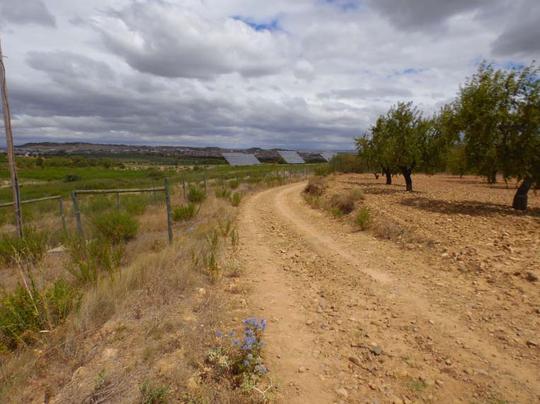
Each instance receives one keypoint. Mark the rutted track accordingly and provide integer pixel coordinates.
(335, 299)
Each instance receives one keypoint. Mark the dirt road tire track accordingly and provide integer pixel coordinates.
(334, 299)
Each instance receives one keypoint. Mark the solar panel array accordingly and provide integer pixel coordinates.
(241, 159)
(328, 155)
(291, 157)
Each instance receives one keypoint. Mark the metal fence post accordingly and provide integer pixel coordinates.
(118, 201)
(184, 187)
(169, 211)
(77, 213)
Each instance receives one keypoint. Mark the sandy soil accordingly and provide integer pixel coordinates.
(449, 315)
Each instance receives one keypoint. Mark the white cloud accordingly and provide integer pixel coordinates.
(304, 73)
(181, 41)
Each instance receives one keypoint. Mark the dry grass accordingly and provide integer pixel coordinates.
(152, 319)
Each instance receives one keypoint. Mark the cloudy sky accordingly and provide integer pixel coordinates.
(283, 73)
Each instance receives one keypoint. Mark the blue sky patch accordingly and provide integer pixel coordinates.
(272, 25)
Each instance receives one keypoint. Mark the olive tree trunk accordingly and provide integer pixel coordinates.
(388, 175)
(521, 197)
(407, 174)
(492, 177)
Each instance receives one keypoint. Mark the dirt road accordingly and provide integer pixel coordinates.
(355, 319)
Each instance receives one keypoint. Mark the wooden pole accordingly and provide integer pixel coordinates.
(116, 191)
(10, 147)
(62, 215)
(77, 213)
(169, 210)
(28, 201)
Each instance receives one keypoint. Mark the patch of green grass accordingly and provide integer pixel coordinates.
(29, 249)
(154, 394)
(185, 212)
(116, 227)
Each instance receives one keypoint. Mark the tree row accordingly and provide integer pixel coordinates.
(491, 128)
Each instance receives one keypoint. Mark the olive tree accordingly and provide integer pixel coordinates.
(406, 136)
(402, 140)
(499, 117)
(375, 150)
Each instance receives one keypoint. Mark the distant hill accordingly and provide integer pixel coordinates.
(112, 150)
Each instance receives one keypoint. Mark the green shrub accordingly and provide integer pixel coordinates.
(116, 227)
(185, 212)
(363, 218)
(236, 198)
(90, 258)
(20, 318)
(29, 249)
(25, 312)
(135, 205)
(61, 299)
(72, 178)
(196, 194)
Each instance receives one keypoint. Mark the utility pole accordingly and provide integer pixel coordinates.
(9, 146)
